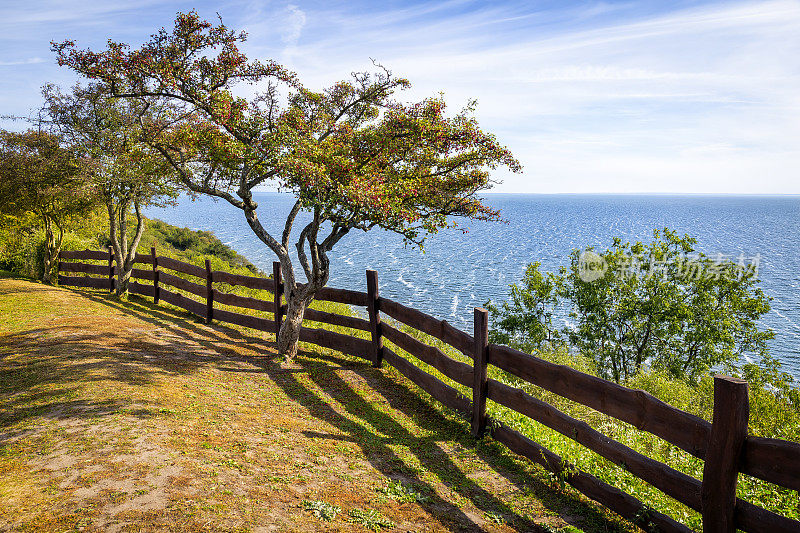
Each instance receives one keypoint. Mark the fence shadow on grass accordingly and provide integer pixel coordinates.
(41, 369)
(372, 429)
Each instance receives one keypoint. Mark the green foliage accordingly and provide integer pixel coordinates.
(396, 490)
(43, 179)
(527, 319)
(107, 132)
(18, 238)
(354, 157)
(661, 305)
(125, 172)
(370, 519)
(191, 244)
(41, 175)
(351, 153)
(322, 510)
(773, 413)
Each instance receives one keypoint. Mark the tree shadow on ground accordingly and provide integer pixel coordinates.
(406, 398)
(40, 370)
(376, 432)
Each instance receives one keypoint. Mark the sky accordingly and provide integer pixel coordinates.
(591, 97)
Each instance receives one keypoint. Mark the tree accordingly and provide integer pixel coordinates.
(661, 305)
(353, 156)
(527, 319)
(127, 172)
(39, 174)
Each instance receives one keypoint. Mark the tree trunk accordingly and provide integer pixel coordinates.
(48, 253)
(123, 279)
(124, 254)
(289, 334)
(298, 299)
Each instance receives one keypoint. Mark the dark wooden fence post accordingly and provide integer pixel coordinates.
(111, 269)
(479, 371)
(721, 469)
(209, 293)
(155, 274)
(278, 278)
(374, 318)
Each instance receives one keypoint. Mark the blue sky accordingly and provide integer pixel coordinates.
(688, 97)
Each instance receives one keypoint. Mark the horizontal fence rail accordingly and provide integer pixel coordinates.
(723, 444)
(636, 407)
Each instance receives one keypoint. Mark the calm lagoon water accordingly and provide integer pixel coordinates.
(459, 271)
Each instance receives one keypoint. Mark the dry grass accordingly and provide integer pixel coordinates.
(127, 416)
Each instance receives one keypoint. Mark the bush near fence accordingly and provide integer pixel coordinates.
(723, 445)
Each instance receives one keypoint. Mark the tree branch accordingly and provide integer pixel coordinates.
(287, 228)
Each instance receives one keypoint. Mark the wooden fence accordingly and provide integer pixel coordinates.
(723, 444)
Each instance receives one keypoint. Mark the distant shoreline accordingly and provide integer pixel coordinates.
(616, 194)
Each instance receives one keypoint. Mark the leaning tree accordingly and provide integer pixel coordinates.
(353, 156)
(127, 172)
(41, 174)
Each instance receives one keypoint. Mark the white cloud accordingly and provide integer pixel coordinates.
(592, 98)
(665, 91)
(30, 61)
(293, 25)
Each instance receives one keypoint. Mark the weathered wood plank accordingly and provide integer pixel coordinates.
(442, 392)
(676, 484)
(337, 341)
(81, 281)
(146, 259)
(180, 283)
(179, 300)
(156, 273)
(101, 270)
(613, 498)
(236, 300)
(480, 368)
(250, 282)
(209, 293)
(248, 321)
(94, 255)
(277, 294)
(773, 460)
(336, 319)
(180, 266)
(373, 295)
(344, 296)
(111, 281)
(428, 324)
(143, 274)
(141, 289)
(457, 371)
(636, 407)
(720, 471)
(754, 519)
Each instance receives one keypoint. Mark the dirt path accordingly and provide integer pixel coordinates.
(130, 417)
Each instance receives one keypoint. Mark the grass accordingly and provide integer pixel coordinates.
(370, 519)
(36, 312)
(131, 416)
(770, 416)
(396, 490)
(322, 510)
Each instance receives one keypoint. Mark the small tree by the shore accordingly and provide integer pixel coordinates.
(661, 305)
(354, 157)
(40, 174)
(126, 171)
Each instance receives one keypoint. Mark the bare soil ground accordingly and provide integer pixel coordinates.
(129, 417)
